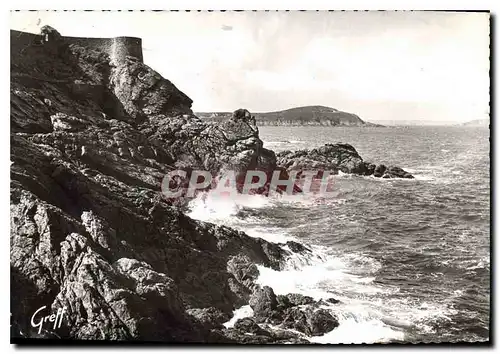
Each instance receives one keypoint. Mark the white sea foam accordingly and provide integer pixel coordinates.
(267, 233)
(358, 331)
(386, 180)
(275, 143)
(435, 173)
(242, 312)
(479, 265)
(212, 206)
(423, 177)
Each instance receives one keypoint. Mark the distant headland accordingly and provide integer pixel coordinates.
(300, 116)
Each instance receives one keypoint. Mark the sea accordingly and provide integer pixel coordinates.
(409, 260)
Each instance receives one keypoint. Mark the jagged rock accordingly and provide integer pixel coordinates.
(396, 172)
(101, 307)
(333, 158)
(321, 321)
(283, 303)
(299, 299)
(143, 92)
(379, 170)
(236, 336)
(312, 322)
(209, 317)
(263, 303)
(330, 157)
(297, 247)
(370, 168)
(332, 300)
(296, 319)
(288, 337)
(248, 325)
(247, 331)
(245, 274)
(292, 312)
(291, 300)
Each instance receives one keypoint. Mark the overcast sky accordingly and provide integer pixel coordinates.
(380, 65)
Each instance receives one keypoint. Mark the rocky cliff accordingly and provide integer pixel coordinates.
(91, 139)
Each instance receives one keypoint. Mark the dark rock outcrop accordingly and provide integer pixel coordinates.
(335, 158)
(247, 331)
(248, 325)
(379, 170)
(299, 299)
(263, 303)
(332, 300)
(311, 321)
(396, 172)
(261, 334)
(297, 247)
(330, 157)
(210, 317)
(292, 311)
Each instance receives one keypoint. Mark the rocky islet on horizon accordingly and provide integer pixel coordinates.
(91, 139)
